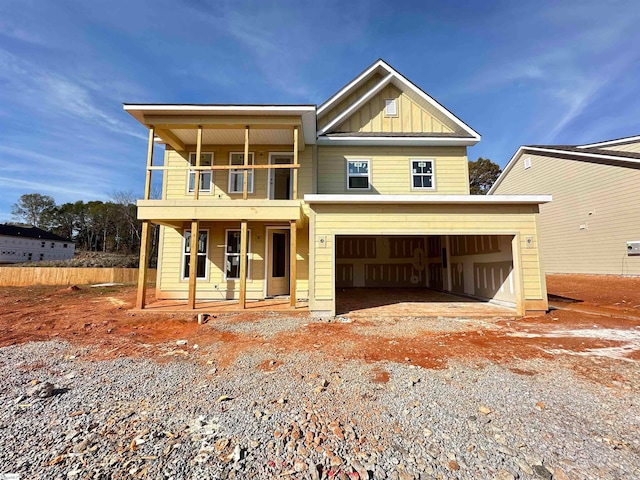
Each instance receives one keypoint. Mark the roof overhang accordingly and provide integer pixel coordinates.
(608, 143)
(398, 141)
(430, 199)
(180, 121)
(584, 156)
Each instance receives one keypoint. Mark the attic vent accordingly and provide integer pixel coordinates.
(527, 163)
(390, 107)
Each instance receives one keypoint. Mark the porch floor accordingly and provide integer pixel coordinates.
(413, 302)
(280, 304)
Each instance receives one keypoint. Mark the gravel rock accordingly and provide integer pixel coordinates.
(128, 418)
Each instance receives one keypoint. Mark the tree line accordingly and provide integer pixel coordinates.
(95, 225)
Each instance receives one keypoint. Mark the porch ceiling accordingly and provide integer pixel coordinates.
(234, 136)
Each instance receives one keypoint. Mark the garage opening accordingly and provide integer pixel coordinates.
(448, 275)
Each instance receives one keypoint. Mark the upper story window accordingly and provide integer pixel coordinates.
(358, 174)
(390, 107)
(201, 261)
(422, 174)
(206, 178)
(236, 177)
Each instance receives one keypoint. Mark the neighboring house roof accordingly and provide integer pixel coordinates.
(609, 143)
(388, 76)
(30, 232)
(585, 153)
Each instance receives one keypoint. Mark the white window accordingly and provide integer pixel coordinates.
(232, 254)
(203, 247)
(206, 177)
(358, 174)
(422, 174)
(236, 177)
(390, 107)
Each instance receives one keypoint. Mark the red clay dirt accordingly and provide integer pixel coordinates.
(100, 318)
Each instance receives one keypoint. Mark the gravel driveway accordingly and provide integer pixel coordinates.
(277, 413)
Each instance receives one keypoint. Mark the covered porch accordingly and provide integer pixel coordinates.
(192, 130)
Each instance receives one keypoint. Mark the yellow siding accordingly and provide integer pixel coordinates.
(390, 169)
(633, 147)
(601, 198)
(215, 287)
(176, 180)
(411, 117)
(330, 220)
(338, 109)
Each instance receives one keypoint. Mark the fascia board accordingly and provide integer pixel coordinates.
(398, 141)
(430, 199)
(357, 104)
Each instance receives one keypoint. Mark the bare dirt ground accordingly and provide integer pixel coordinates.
(600, 317)
(590, 342)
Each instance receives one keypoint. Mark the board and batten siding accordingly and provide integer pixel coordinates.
(327, 117)
(594, 212)
(215, 287)
(175, 184)
(328, 220)
(410, 118)
(390, 170)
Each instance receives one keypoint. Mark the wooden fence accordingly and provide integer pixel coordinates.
(25, 276)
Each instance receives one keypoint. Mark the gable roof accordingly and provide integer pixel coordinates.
(610, 143)
(388, 75)
(12, 230)
(582, 153)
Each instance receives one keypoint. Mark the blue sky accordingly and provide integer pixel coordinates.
(562, 72)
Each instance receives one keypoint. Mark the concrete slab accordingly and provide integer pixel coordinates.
(413, 302)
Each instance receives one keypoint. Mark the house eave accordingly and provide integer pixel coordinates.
(399, 141)
(430, 199)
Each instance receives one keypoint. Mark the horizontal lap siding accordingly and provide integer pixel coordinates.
(414, 219)
(390, 171)
(172, 285)
(633, 147)
(176, 180)
(608, 192)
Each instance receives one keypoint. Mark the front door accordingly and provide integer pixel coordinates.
(280, 178)
(278, 263)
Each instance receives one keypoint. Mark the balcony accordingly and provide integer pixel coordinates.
(174, 213)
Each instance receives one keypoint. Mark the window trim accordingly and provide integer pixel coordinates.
(189, 172)
(226, 253)
(348, 175)
(433, 173)
(236, 171)
(184, 256)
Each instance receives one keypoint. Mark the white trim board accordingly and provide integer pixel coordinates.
(433, 199)
(401, 82)
(513, 160)
(398, 141)
(607, 143)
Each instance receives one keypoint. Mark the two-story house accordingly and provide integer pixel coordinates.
(368, 190)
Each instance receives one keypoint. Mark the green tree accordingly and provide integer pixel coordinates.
(482, 175)
(34, 208)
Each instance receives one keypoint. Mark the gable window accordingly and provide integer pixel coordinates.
(203, 246)
(236, 177)
(206, 178)
(390, 107)
(422, 174)
(232, 255)
(358, 174)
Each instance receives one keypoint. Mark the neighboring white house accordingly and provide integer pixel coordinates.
(31, 244)
(593, 223)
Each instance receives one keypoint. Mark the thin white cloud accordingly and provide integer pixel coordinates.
(43, 187)
(43, 91)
